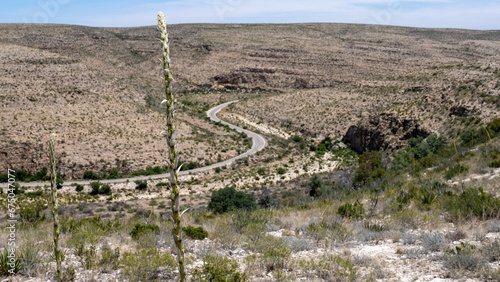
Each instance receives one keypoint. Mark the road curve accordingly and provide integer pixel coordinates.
(258, 143)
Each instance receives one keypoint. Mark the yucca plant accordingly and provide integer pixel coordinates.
(8, 267)
(53, 189)
(173, 159)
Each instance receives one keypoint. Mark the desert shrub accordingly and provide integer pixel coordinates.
(33, 194)
(32, 212)
(105, 190)
(145, 265)
(150, 171)
(455, 235)
(32, 259)
(4, 177)
(494, 126)
(197, 233)
(494, 226)
(494, 164)
(190, 165)
(297, 244)
(90, 175)
(88, 256)
(94, 188)
(433, 242)
(6, 264)
(87, 230)
(454, 171)
(228, 199)
(349, 210)
(97, 189)
(369, 168)
(281, 170)
(141, 185)
(161, 184)
(326, 234)
(275, 253)
(421, 153)
(219, 269)
(472, 202)
(462, 262)
(491, 252)
(330, 268)
(316, 186)
(79, 188)
(140, 228)
(266, 200)
(110, 259)
(410, 238)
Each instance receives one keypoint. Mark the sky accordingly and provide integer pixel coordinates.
(478, 14)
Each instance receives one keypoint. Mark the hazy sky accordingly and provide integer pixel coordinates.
(472, 14)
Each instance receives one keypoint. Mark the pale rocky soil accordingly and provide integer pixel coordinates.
(92, 85)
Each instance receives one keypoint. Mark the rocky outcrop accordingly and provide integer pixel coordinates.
(23, 155)
(383, 132)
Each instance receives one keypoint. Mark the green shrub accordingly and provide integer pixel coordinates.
(94, 188)
(190, 165)
(472, 202)
(79, 188)
(161, 184)
(141, 185)
(228, 199)
(315, 185)
(105, 190)
(97, 189)
(277, 255)
(281, 170)
(370, 168)
(494, 164)
(454, 171)
(495, 125)
(90, 175)
(196, 233)
(349, 210)
(140, 229)
(219, 269)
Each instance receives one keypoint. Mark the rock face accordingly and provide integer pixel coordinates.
(24, 155)
(382, 132)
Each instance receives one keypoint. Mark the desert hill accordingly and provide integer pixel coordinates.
(98, 88)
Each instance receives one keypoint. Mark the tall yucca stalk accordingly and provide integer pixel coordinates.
(53, 184)
(173, 159)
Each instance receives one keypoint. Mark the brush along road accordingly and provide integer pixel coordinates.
(258, 143)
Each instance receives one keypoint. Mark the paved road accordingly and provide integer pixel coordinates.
(258, 143)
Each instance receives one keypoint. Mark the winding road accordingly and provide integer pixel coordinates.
(258, 143)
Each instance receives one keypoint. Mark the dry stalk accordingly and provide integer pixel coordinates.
(173, 159)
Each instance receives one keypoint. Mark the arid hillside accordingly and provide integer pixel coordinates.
(98, 88)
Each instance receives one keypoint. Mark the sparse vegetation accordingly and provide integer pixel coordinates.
(228, 199)
(308, 207)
